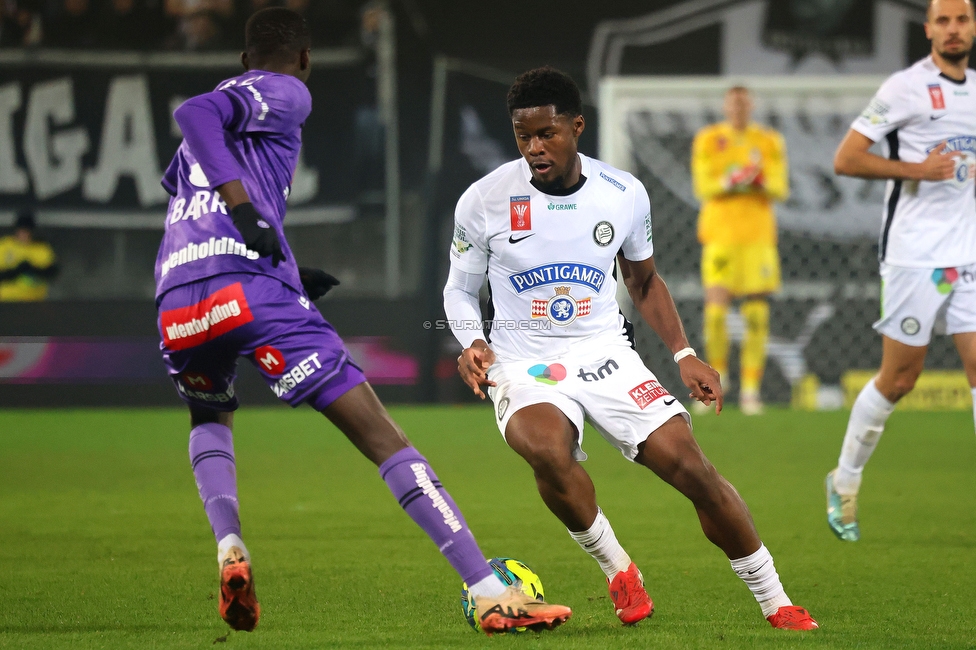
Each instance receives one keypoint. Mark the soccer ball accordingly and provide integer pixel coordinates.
(510, 572)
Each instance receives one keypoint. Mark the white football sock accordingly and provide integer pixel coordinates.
(224, 545)
(602, 545)
(871, 410)
(490, 587)
(759, 574)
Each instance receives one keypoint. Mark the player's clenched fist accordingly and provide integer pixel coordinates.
(940, 165)
(703, 380)
(316, 282)
(473, 366)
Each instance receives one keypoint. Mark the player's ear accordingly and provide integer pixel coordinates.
(578, 125)
(305, 59)
(244, 61)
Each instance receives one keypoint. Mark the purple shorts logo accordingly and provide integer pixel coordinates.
(197, 380)
(270, 359)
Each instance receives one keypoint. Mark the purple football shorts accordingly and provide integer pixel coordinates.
(207, 325)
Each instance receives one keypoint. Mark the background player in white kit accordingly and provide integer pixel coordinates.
(547, 229)
(926, 114)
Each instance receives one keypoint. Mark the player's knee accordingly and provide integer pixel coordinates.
(543, 457)
(903, 383)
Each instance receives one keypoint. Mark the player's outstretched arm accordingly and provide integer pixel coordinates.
(854, 159)
(653, 300)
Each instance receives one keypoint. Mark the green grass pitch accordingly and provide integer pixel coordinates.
(104, 544)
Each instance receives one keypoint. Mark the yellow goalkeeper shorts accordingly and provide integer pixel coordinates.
(743, 269)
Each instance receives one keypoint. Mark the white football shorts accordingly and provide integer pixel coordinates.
(607, 384)
(916, 302)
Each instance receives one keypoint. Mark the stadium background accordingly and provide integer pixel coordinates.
(408, 110)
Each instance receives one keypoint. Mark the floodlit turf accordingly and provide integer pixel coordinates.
(104, 544)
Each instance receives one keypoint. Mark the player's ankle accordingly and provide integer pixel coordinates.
(229, 542)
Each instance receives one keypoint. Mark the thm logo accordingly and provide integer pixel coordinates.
(603, 371)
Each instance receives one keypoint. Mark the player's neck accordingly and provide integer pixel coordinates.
(953, 69)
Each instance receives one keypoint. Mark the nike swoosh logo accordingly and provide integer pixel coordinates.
(512, 240)
(673, 400)
(760, 566)
(937, 117)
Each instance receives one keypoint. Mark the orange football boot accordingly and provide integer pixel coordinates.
(238, 604)
(629, 597)
(515, 609)
(791, 617)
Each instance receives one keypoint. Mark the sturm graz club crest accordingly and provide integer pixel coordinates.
(562, 309)
(502, 407)
(603, 233)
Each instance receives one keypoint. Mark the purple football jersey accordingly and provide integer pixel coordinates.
(249, 128)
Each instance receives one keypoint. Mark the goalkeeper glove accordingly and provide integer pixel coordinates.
(317, 283)
(258, 234)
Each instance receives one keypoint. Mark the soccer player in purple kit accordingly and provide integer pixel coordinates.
(227, 285)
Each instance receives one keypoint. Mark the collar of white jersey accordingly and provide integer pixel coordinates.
(929, 64)
(585, 167)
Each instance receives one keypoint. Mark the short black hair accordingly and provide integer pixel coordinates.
(276, 33)
(543, 87)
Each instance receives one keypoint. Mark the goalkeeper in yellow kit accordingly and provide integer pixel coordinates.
(739, 170)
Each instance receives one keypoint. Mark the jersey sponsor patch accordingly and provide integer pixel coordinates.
(217, 314)
(270, 359)
(876, 113)
(562, 309)
(558, 273)
(460, 244)
(648, 392)
(613, 181)
(938, 99)
(521, 208)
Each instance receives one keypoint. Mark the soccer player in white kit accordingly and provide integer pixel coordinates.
(926, 115)
(546, 229)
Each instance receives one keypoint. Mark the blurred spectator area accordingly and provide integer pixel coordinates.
(176, 25)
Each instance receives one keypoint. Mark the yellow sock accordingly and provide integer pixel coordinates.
(753, 359)
(717, 338)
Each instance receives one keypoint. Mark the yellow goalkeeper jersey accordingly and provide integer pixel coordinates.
(29, 284)
(738, 214)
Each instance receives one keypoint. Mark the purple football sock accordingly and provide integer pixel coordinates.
(421, 494)
(212, 457)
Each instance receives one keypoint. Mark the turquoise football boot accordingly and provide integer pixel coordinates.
(842, 513)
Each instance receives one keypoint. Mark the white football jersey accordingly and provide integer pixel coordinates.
(550, 259)
(926, 224)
